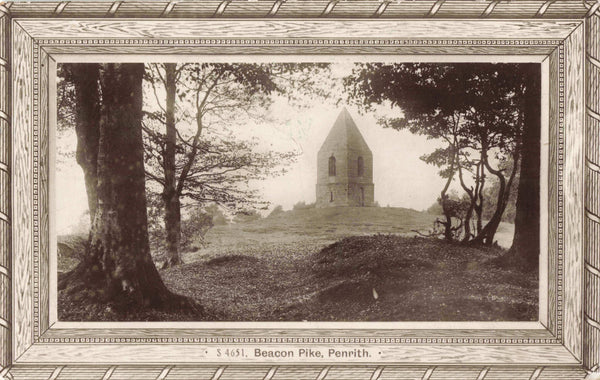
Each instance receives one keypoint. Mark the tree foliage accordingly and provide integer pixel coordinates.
(194, 156)
(476, 110)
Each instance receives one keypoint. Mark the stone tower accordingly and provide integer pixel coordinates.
(345, 167)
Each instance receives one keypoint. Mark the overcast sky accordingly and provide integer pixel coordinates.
(401, 179)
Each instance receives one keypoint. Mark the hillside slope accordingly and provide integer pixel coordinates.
(324, 226)
(337, 264)
(340, 220)
(359, 278)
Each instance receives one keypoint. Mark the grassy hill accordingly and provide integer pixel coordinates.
(344, 220)
(308, 227)
(350, 263)
(320, 226)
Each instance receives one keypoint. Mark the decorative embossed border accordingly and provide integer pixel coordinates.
(566, 34)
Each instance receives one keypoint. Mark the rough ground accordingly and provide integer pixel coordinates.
(348, 264)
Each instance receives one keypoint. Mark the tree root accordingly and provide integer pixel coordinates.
(171, 262)
(86, 288)
(512, 259)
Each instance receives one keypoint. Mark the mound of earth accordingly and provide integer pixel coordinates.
(70, 250)
(349, 275)
(358, 290)
(378, 255)
(231, 259)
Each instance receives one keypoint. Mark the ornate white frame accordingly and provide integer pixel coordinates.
(564, 35)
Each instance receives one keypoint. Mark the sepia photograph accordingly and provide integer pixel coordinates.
(298, 191)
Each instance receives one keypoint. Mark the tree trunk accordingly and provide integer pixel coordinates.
(173, 228)
(170, 194)
(526, 245)
(467, 223)
(118, 269)
(472, 193)
(444, 201)
(448, 223)
(486, 236)
(480, 197)
(479, 212)
(87, 125)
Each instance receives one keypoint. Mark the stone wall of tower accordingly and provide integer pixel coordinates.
(361, 195)
(345, 195)
(352, 166)
(341, 164)
(346, 185)
(332, 195)
(332, 185)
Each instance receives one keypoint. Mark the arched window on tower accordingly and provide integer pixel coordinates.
(361, 167)
(332, 166)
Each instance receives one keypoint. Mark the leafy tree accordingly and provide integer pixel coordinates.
(117, 267)
(479, 111)
(447, 159)
(195, 160)
(496, 122)
(425, 93)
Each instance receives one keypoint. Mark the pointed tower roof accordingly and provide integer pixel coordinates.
(345, 133)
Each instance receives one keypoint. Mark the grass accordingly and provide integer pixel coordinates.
(426, 279)
(343, 220)
(342, 264)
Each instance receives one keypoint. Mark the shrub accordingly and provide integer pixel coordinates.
(218, 216)
(247, 216)
(436, 208)
(303, 205)
(195, 224)
(195, 227)
(276, 211)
